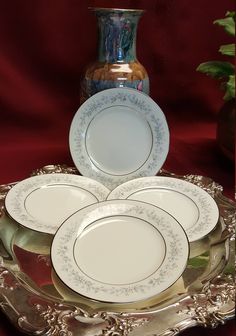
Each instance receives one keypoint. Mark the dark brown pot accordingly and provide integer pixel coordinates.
(226, 129)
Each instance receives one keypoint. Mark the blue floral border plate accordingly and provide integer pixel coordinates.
(117, 135)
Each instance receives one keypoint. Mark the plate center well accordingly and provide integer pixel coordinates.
(119, 250)
(52, 204)
(119, 140)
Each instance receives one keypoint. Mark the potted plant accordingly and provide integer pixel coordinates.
(225, 72)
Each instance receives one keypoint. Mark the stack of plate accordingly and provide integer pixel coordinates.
(121, 235)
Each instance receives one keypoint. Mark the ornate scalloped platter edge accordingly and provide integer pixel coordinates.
(36, 314)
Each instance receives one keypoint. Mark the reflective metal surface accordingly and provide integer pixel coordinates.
(37, 302)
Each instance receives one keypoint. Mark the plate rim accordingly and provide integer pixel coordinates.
(151, 112)
(154, 180)
(192, 304)
(16, 197)
(144, 204)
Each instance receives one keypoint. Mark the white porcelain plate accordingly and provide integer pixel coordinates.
(43, 202)
(119, 134)
(120, 251)
(192, 206)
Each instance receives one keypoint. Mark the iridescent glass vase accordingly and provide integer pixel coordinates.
(117, 65)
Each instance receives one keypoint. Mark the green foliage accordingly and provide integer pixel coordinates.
(230, 88)
(227, 49)
(223, 70)
(217, 69)
(198, 262)
(228, 23)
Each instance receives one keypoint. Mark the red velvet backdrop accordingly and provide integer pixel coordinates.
(44, 47)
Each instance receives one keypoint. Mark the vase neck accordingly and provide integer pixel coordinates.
(117, 35)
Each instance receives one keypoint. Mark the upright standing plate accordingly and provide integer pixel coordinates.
(43, 202)
(117, 135)
(120, 251)
(193, 207)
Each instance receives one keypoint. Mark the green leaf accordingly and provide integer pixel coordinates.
(230, 14)
(228, 24)
(216, 69)
(199, 261)
(230, 88)
(227, 49)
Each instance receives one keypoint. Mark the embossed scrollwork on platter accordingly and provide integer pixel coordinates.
(38, 314)
(56, 319)
(228, 212)
(53, 169)
(4, 188)
(205, 183)
(230, 222)
(170, 332)
(207, 307)
(121, 326)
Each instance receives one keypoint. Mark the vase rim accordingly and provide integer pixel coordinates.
(117, 10)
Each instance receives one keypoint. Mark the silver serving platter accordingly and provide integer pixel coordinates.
(206, 299)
